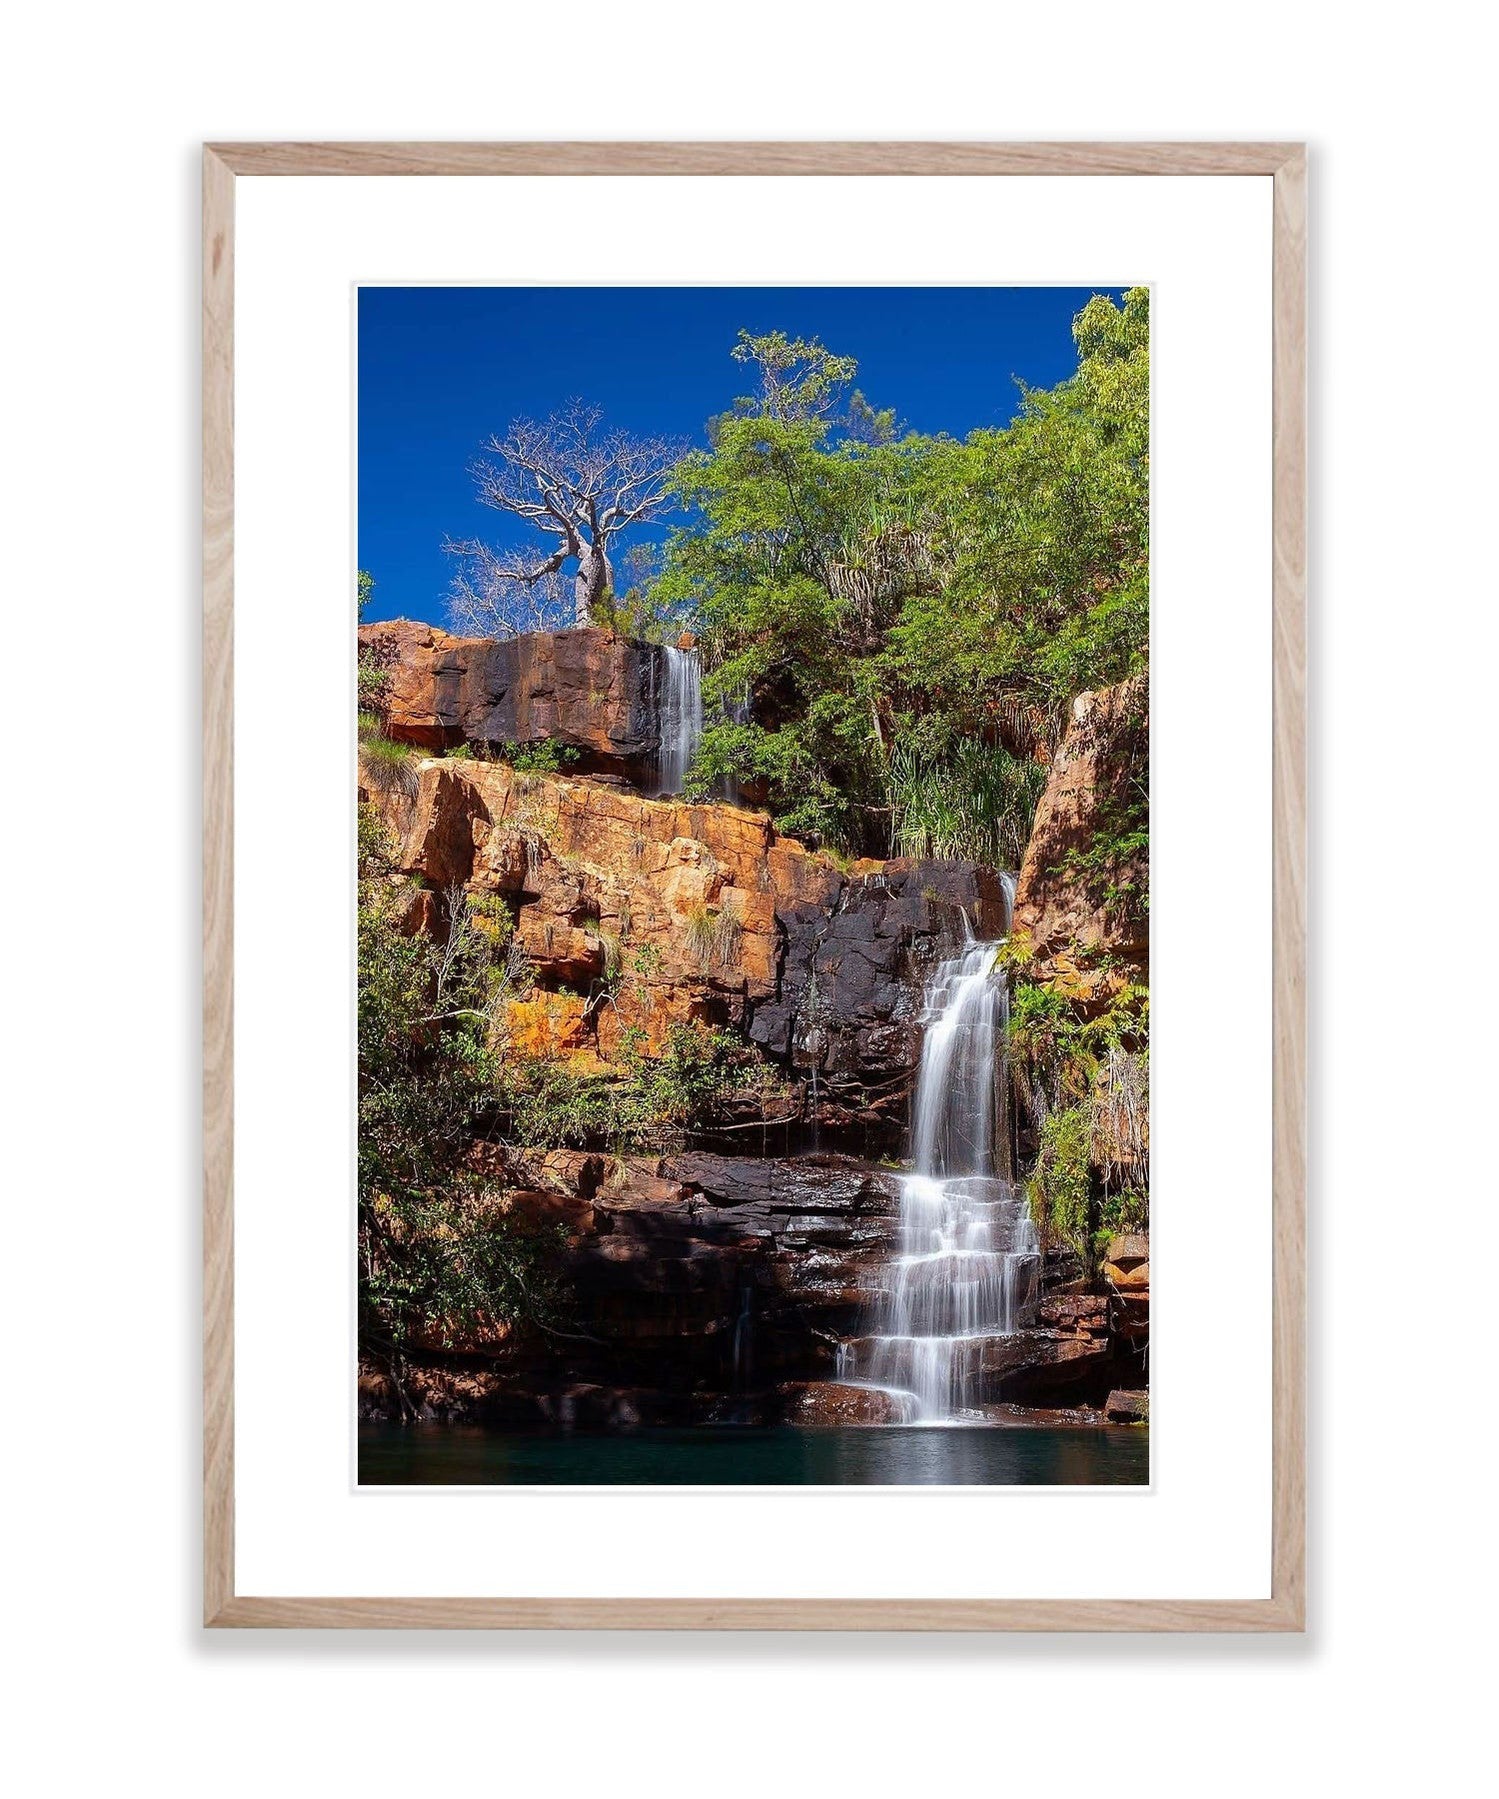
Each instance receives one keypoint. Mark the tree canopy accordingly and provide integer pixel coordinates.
(883, 598)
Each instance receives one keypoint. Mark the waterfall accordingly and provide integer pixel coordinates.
(967, 1265)
(743, 1341)
(736, 712)
(679, 718)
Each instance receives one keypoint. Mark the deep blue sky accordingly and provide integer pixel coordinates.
(442, 368)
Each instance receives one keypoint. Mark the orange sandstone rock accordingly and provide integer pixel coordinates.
(1077, 902)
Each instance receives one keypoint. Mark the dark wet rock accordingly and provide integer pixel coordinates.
(722, 1287)
(838, 1403)
(706, 1278)
(1035, 1363)
(1127, 1408)
(1080, 1313)
(848, 1003)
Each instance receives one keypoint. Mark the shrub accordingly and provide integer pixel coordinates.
(370, 681)
(1122, 1212)
(654, 1104)
(1059, 1188)
(975, 802)
(728, 934)
(436, 1249)
(714, 936)
(1120, 1109)
(545, 758)
(613, 959)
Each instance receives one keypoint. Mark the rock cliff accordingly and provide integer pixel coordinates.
(637, 915)
(718, 1288)
(1080, 899)
(716, 1282)
(590, 691)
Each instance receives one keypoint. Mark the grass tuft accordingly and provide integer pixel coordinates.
(386, 767)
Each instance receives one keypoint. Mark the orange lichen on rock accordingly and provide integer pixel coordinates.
(548, 1027)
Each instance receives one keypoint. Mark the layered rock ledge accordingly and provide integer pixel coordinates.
(639, 915)
(718, 1289)
(591, 691)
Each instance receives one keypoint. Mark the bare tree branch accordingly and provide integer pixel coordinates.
(503, 596)
(574, 482)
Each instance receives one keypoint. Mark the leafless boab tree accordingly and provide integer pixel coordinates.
(578, 484)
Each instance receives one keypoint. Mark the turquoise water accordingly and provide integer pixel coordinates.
(735, 1455)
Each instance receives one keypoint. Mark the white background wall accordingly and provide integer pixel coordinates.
(103, 109)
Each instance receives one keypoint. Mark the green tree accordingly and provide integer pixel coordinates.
(1044, 548)
(886, 600)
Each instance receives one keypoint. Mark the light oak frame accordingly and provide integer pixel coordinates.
(1284, 1610)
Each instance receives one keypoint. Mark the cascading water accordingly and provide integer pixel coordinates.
(968, 1261)
(736, 712)
(743, 1340)
(679, 718)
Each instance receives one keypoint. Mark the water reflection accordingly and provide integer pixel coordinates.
(446, 1455)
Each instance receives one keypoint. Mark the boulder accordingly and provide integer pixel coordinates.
(1127, 1408)
(1128, 1248)
(1026, 1367)
(1126, 1262)
(1037, 1365)
(838, 1403)
(399, 652)
(569, 1173)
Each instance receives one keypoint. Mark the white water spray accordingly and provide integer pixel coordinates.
(680, 718)
(968, 1262)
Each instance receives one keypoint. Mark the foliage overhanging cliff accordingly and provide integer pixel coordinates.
(873, 605)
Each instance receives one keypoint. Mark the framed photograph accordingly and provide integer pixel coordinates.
(754, 802)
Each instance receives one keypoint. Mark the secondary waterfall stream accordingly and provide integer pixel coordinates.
(967, 1267)
(679, 718)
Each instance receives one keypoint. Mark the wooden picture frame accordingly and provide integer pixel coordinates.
(1284, 1609)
